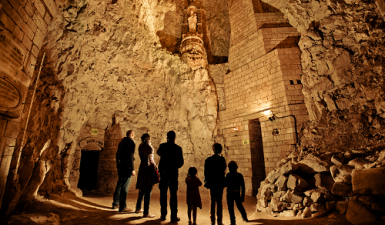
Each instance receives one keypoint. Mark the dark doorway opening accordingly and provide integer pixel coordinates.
(257, 157)
(89, 162)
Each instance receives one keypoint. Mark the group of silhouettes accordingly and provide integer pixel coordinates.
(167, 173)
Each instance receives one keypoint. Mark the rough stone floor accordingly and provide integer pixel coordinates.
(95, 208)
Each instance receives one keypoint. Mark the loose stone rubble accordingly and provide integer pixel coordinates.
(319, 183)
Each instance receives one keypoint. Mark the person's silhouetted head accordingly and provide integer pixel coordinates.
(192, 171)
(145, 138)
(130, 134)
(233, 166)
(171, 136)
(217, 148)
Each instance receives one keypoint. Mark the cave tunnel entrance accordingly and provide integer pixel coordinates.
(257, 157)
(89, 163)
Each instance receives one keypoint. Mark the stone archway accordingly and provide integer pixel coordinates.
(89, 145)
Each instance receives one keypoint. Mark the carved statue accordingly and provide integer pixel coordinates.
(192, 21)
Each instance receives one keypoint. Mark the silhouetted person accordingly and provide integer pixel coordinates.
(193, 197)
(171, 159)
(125, 164)
(147, 175)
(235, 192)
(215, 167)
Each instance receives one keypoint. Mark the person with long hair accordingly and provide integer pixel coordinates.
(147, 176)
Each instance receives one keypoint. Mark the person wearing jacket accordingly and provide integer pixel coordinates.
(235, 192)
(171, 159)
(214, 170)
(125, 165)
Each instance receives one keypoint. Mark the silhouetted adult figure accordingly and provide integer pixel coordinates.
(215, 167)
(171, 159)
(147, 175)
(125, 164)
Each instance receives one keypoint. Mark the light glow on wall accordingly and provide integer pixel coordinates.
(268, 113)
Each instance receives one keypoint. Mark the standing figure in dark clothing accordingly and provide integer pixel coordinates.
(215, 167)
(125, 164)
(235, 192)
(171, 159)
(193, 198)
(146, 175)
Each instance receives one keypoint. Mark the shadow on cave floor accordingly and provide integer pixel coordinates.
(95, 208)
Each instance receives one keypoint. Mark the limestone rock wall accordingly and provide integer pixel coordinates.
(104, 60)
(342, 62)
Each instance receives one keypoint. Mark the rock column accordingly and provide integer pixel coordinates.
(107, 172)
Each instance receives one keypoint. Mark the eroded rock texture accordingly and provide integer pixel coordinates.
(105, 63)
(342, 61)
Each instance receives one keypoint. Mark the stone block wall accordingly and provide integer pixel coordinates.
(23, 25)
(271, 18)
(266, 86)
(28, 21)
(265, 80)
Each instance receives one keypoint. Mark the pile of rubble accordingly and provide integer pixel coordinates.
(312, 185)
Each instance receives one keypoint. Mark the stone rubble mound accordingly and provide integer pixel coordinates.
(313, 184)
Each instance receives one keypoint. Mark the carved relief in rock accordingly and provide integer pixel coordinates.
(192, 46)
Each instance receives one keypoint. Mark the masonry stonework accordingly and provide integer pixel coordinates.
(25, 22)
(265, 81)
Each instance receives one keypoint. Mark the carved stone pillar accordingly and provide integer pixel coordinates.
(192, 47)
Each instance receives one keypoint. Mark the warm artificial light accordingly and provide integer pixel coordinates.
(268, 112)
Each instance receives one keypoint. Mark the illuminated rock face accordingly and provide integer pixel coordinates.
(104, 62)
(112, 59)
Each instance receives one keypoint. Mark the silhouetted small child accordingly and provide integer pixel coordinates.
(193, 197)
(235, 192)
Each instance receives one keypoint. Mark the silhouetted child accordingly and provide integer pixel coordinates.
(193, 196)
(235, 192)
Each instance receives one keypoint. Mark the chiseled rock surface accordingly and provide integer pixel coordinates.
(342, 189)
(35, 219)
(306, 212)
(338, 159)
(358, 214)
(314, 164)
(276, 205)
(342, 173)
(369, 181)
(288, 213)
(104, 61)
(295, 182)
(324, 180)
(342, 64)
(358, 163)
(281, 183)
(342, 206)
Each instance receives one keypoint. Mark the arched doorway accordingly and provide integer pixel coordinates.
(89, 163)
